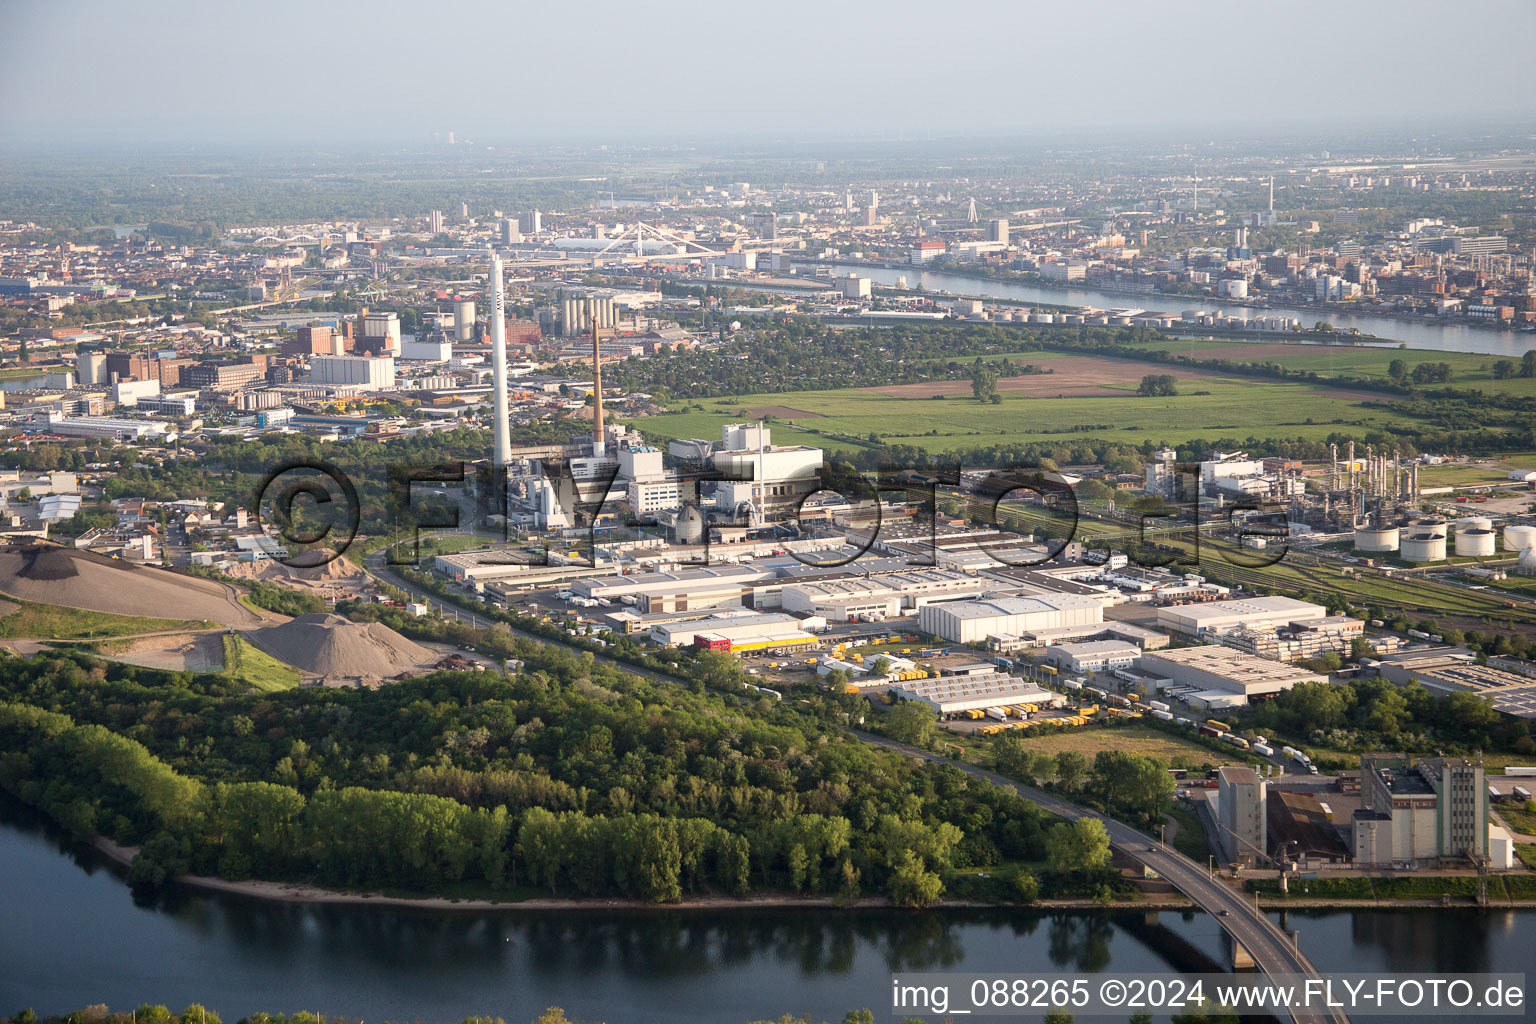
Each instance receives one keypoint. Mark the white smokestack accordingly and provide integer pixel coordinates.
(503, 452)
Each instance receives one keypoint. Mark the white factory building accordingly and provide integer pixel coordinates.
(1093, 655)
(760, 472)
(370, 373)
(1246, 613)
(951, 695)
(971, 622)
(888, 595)
(1214, 677)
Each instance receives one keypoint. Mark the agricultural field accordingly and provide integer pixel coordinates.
(1468, 369)
(1097, 399)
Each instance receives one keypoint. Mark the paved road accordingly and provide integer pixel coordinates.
(1271, 948)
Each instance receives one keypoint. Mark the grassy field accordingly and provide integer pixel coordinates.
(258, 670)
(1468, 369)
(1133, 739)
(1519, 818)
(56, 622)
(1227, 408)
(1191, 839)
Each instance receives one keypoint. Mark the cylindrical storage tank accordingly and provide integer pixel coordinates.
(1474, 523)
(1519, 537)
(1423, 546)
(1475, 541)
(1374, 538)
(463, 320)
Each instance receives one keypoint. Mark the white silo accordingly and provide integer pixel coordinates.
(1519, 537)
(1423, 546)
(464, 320)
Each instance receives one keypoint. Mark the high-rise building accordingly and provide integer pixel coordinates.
(510, 235)
(997, 230)
(531, 222)
(1241, 814)
(435, 222)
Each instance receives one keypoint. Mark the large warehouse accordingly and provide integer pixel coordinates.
(951, 695)
(889, 594)
(1247, 613)
(737, 634)
(1216, 677)
(971, 622)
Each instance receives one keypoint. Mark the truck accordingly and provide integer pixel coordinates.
(1157, 705)
(1236, 741)
(1073, 684)
(1206, 730)
(1220, 727)
(1263, 748)
(1519, 770)
(1300, 758)
(1166, 716)
(999, 714)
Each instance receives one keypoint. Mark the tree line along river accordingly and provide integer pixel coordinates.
(77, 935)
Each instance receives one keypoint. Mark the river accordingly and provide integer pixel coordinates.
(1417, 333)
(74, 935)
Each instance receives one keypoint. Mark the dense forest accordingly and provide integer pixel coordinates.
(569, 777)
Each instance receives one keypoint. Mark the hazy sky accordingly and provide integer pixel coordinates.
(222, 70)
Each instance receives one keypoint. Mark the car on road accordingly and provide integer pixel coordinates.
(1224, 913)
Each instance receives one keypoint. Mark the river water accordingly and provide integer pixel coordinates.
(74, 934)
(1417, 333)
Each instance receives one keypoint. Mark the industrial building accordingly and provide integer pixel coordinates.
(889, 595)
(679, 590)
(952, 695)
(1093, 655)
(1419, 812)
(1245, 613)
(367, 373)
(1241, 815)
(1219, 677)
(737, 634)
(971, 622)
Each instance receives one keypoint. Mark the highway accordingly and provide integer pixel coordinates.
(1273, 950)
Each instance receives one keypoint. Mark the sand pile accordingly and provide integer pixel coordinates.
(330, 645)
(49, 574)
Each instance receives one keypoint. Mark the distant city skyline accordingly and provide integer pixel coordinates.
(494, 74)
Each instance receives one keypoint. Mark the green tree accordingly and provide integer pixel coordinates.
(1071, 768)
(911, 722)
(1081, 845)
(912, 885)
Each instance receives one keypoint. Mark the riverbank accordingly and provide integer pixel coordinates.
(302, 893)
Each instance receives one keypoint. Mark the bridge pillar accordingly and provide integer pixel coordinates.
(1242, 960)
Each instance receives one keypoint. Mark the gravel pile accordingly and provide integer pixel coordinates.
(331, 645)
(49, 574)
